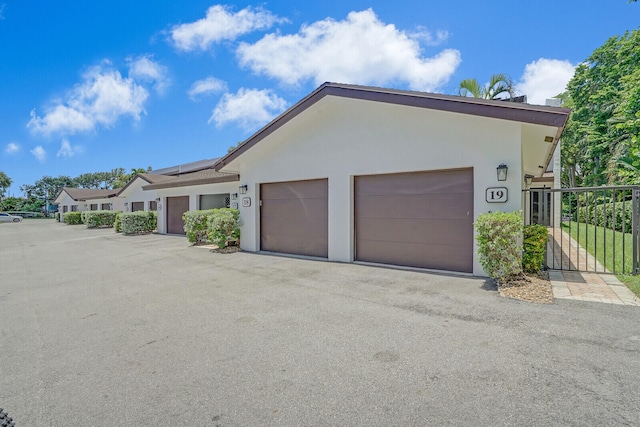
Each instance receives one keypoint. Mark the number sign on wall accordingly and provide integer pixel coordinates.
(496, 195)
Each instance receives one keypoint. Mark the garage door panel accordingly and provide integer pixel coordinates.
(411, 183)
(291, 208)
(434, 205)
(294, 217)
(295, 190)
(283, 244)
(454, 232)
(284, 226)
(417, 219)
(437, 257)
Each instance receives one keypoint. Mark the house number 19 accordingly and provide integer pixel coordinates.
(496, 195)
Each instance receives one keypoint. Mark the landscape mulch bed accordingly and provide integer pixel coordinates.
(227, 250)
(532, 288)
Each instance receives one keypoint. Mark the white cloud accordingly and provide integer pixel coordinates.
(248, 107)
(209, 85)
(98, 101)
(360, 49)
(66, 150)
(544, 78)
(12, 148)
(39, 154)
(146, 69)
(2, 8)
(428, 38)
(219, 24)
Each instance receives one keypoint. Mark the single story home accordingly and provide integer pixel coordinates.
(384, 176)
(85, 199)
(135, 198)
(202, 189)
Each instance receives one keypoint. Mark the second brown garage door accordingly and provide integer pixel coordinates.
(294, 217)
(418, 219)
(176, 207)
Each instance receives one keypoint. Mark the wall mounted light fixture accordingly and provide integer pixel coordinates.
(528, 179)
(234, 196)
(502, 172)
(243, 189)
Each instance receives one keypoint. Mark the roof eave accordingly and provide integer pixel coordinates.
(201, 181)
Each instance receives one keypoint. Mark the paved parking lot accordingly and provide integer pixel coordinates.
(100, 329)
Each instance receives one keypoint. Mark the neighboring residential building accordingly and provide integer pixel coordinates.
(135, 198)
(84, 199)
(203, 189)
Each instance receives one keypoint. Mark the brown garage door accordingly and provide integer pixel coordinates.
(176, 206)
(294, 217)
(418, 219)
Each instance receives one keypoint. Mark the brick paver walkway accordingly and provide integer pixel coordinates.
(601, 286)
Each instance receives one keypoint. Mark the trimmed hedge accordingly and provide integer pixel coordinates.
(499, 251)
(534, 247)
(72, 218)
(223, 227)
(597, 213)
(99, 219)
(195, 225)
(117, 223)
(138, 222)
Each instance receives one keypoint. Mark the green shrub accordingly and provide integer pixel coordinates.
(57, 216)
(138, 222)
(99, 219)
(195, 225)
(72, 218)
(83, 216)
(500, 253)
(534, 247)
(117, 223)
(223, 226)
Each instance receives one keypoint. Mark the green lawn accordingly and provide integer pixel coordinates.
(604, 243)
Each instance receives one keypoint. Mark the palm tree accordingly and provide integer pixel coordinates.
(499, 84)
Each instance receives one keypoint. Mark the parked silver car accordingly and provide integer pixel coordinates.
(5, 217)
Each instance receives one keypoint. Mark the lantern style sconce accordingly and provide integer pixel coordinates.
(528, 179)
(234, 196)
(502, 172)
(157, 199)
(243, 189)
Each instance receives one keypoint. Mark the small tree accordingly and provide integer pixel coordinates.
(5, 183)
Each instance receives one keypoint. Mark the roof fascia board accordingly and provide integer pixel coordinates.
(201, 181)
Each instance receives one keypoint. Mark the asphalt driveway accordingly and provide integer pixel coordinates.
(99, 329)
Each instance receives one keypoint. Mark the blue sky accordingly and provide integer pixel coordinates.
(88, 86)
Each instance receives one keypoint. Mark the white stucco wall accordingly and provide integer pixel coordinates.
(117, 204)
(65, 200)
(135, 193)
(193, 192)
(340, 138)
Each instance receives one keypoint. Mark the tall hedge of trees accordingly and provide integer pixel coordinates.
(600, 145)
